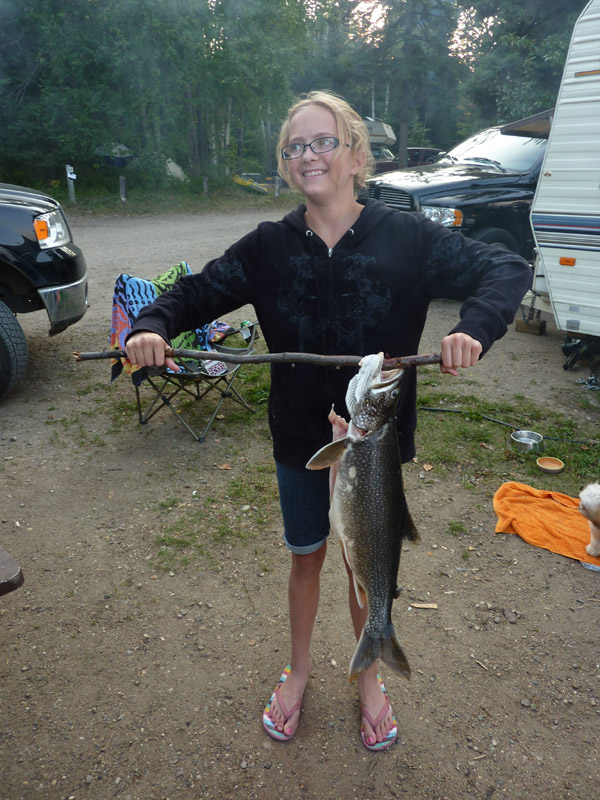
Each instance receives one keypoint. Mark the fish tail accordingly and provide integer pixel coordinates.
(368, 650)
(393, 656)
(384, 646)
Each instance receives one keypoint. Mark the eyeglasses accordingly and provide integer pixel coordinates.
(321, 145)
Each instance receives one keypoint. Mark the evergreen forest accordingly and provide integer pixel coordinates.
(205, 84)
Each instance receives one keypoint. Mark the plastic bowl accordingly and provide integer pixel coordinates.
(550, 464)
(526, 440)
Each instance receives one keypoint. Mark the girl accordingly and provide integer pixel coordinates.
(335, 276)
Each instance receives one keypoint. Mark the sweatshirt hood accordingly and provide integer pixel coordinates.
(372, 215)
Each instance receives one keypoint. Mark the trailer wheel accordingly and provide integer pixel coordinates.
(13, 349)
(498, 237)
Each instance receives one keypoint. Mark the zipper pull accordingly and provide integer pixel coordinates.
(330, 252)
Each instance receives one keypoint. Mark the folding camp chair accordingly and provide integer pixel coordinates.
(197, 377)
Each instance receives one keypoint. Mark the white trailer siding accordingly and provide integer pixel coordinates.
(566, 208)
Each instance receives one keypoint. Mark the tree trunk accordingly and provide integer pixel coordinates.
(194, 150)
(268, 144)
(405, 94)
(202, 135)
(240, 145)
(403, 123)
(227, 136)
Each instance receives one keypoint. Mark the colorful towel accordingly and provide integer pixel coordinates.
(545, 519)
(130, 296)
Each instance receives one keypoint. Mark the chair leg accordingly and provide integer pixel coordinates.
(144, 416)
(163, 399)
(165, 402)
(239, 399)
(230, 390)
(212, 419)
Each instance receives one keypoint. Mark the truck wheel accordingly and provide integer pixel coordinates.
(13, 350)
(498, 237)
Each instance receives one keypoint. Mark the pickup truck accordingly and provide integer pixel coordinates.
(41, 269)
(483, 187)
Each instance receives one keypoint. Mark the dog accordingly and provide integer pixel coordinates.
(589, 506)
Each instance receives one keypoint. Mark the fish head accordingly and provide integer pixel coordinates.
(373, 395)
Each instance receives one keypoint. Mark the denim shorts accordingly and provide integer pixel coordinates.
(304, 500)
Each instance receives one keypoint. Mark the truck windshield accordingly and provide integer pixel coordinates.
(498, 151)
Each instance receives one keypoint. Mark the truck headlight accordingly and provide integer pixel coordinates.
(51, 230)
(450, 217)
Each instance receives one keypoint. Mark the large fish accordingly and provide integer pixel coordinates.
(368, 510)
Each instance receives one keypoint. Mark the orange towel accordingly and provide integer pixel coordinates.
(546, 519)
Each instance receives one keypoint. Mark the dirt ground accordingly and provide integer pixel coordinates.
(122, 679)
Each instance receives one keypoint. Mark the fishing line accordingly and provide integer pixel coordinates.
(591, 442)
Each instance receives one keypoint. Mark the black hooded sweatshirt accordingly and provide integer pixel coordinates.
(369, 293)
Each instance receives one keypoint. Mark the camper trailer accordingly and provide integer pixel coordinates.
(565, 213)
(380, 133)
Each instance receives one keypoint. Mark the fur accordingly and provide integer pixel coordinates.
(590, 508)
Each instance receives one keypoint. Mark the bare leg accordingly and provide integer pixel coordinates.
(303, 598)
(368, 685)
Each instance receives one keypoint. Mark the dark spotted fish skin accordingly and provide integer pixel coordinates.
(368, 511)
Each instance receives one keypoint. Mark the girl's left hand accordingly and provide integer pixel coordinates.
(459, 350)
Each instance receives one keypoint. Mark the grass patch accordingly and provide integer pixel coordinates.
(175, 545)
(173, 199)
(168, 503)
(73, 427)
(454, 528)
(208, 527)
(255, 380)
(256, 490)
(469, 435)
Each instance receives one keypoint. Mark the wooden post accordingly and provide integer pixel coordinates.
(71, 178)
(123, 188)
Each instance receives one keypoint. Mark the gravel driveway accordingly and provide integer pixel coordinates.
(123, 679)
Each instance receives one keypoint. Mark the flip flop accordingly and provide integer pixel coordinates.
(392, 733)
(268, 723)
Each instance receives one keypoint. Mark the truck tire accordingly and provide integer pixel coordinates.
(13, 350)
(498, 237)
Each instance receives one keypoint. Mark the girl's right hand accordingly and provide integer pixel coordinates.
(149, 350)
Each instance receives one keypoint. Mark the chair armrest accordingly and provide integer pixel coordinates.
(249, 334)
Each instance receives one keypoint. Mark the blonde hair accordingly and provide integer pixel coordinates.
(351, 128)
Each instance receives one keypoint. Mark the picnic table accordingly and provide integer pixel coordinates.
(11, 574)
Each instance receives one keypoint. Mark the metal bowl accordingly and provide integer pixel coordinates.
(526, 440)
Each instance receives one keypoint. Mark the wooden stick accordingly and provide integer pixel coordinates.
(401, 362)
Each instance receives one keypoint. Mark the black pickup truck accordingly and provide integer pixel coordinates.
(483, 187)
(40, 269)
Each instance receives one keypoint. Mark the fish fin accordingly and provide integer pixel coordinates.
(361, 595)
(393, 656)
(367, 652)
(328, 455)
(409, 528)
(386, 647)
(338, 424)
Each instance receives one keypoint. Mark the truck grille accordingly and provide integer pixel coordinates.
(397, 198)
